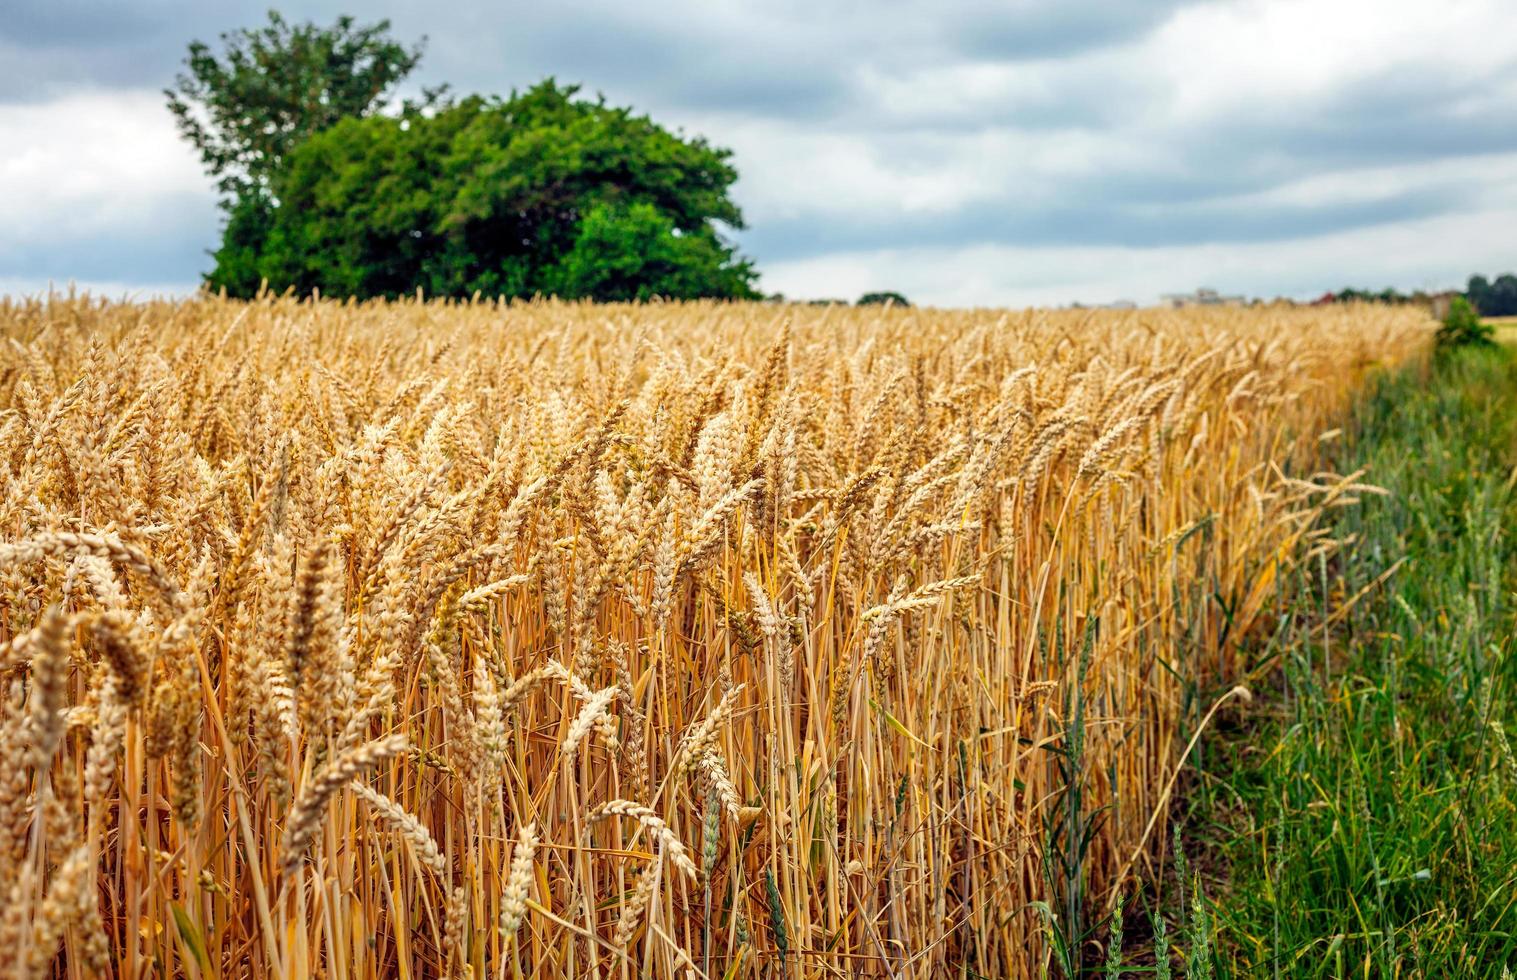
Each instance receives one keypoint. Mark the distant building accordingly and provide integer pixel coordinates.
(1201, 297)
(1439, 303)
(1119, 304)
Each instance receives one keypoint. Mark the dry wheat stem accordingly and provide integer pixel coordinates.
(285, 584)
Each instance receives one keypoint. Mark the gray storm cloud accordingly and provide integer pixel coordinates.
(952, 132)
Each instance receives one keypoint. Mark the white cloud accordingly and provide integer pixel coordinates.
(1433, 253)
(1285, 55)
(28, 288)
(1254, 112)
(827, 172)
(936, 148)
(90, 160)
(1495, 174)
(97, 185)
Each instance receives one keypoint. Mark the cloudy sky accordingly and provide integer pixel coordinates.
(965, 153)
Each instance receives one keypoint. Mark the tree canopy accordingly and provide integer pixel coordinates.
(542, 192)
(1497, 298)
(277, 85)
(1462, 326)
(1489, 298)
(1388, 295)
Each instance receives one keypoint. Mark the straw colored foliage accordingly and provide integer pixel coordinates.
(495, 641)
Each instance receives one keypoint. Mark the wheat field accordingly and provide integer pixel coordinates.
(425, 639)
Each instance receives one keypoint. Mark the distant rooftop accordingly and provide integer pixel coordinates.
(1204, 296)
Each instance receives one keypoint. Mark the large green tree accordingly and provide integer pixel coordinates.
(883, 298)
(245, 109)
(1497, 298)
(543, 192)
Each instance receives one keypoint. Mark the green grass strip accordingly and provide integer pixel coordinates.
(1366, 817)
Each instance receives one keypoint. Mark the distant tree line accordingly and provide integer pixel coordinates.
(887, 298)
(1498, 298)
(1488, 297)
(1392, 296)
(330, 184)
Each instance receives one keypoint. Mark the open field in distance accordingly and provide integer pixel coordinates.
(1506, 327)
